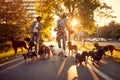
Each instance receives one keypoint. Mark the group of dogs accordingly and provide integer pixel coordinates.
(44, 51)
(95, 54)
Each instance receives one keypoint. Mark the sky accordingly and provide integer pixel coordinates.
(115, 4)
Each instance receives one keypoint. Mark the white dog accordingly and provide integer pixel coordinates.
(57, 52)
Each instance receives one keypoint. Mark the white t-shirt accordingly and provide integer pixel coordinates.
(35, 28)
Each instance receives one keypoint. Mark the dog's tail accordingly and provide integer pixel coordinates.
(117, 49)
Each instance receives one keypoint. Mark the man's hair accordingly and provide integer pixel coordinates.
(39, 17)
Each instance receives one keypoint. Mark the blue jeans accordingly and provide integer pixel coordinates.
(36, 37)
(63, 40)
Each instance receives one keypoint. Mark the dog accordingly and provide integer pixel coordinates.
(43, 51)
(72, 48)
(31, 55)
(81, 57)
(18, 44)
(110, 48)
(97, 55)
(31, 44)
(57, 52)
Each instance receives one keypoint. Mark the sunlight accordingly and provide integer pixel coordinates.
(92, 72)
(61, 68)
(72, 73)
(53, 33)
(74, 22)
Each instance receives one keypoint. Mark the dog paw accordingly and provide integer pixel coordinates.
(52, 61)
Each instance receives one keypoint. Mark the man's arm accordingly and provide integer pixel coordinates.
(39, 26)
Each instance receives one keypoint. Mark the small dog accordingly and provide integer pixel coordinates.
(57, 52)
(18, 44)
(81, 57)
(106, 48)
(72, 48)
(31, 55)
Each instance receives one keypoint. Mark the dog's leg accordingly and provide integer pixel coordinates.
(15, 49)
(21, 49)
(111, 51)
(32, 58)
(25, 60)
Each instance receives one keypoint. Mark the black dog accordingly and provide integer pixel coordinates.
(110, 48)
(81, 57)
(18, 44)
(31, 44)
(97, 56)
(31, 55)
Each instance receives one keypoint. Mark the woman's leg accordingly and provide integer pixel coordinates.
(59, 43)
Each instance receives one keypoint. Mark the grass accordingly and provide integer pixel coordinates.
(115, 57)
(5, 56)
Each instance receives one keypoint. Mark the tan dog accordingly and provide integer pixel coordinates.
(72, 48)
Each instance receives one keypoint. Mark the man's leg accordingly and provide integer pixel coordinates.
(37, 41)
(32, 37)
(64, 43)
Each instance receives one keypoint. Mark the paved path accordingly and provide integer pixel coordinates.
(60, 70)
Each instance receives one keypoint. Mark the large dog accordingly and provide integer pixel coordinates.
(43, 51)
(107, 48)
(81, 57)
(72, 48)
(57, 52)
(97, 55)
(31, 44)
(31, 55)
(18, 44)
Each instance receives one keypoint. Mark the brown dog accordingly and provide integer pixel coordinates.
(43, 51)
(107, 48)
(18, 44)
(72, 48)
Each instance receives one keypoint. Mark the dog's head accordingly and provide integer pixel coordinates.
(96, 44)
(69, 43)
(27, 39)
(100, 51)
(84, 53)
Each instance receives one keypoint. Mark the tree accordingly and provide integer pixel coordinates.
(83, 10)
(14, 20)
(13, 12)
(45, 9)
(112, 30)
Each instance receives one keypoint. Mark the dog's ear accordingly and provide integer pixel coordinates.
(52, 46)
(27, 39)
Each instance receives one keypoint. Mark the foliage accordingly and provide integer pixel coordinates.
(13, 20)
(44, 9)
(110, 31)
(7, 31)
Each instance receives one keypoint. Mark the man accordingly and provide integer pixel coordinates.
(61, 34)
(36, 27)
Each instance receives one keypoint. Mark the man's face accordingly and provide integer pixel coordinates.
(38, 19)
